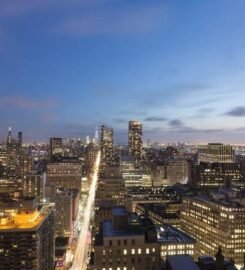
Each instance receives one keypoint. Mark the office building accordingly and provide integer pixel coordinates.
(216, 221)
(216, 152)
(214, 175)
(161, 213)
(111, 191)
(106, 144)
(135, 132)
(64, 173)
(124, 243)
(174, 242)
(10, 184)
(111, 188)
(178, 171)
(63, 213)
(34, 185)
(27, 238)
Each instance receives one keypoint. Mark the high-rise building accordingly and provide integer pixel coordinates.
(111, 188)
(214, 222)
(63, 213)
(111, 192)
(135, 131)
(178, 171)
(20, 138)
(14, 151)
(106, 144)
(9, 137)
(216, 153)
(34, 185)
(55, 145)
(26, 238)
(65, 173)
(214, 175)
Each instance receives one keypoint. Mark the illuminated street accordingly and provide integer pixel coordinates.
(81, 254)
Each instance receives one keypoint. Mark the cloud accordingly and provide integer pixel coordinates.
(25, 103)
(236, 112)
(175, 123)
(202, 113)
(155, 119)
(114, 20)
(120, 120)
(195, 130)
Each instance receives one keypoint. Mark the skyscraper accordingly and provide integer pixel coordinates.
(55, 146)
(135, 131)
(106, 144)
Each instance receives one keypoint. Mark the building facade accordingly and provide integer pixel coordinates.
(27, 239)
(65, 173)
(106, 144)
(213, 223)
(216, 152)
(135, 132)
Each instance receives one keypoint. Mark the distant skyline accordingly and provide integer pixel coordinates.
(177, 66)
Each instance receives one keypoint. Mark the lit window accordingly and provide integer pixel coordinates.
(147, 251)
(133, 251)
(125, 251)
(139, 250)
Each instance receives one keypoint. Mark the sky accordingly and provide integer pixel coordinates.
(177, 66)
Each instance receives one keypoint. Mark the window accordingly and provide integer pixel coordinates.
(110, 243)
(133, 251)
(125, 242)
(133, 242)
(147, 251)
(118, 242)
(139, 250)
(125, 252)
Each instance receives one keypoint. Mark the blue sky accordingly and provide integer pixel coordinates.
(177, 66)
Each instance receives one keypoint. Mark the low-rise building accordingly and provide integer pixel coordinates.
(124, 244)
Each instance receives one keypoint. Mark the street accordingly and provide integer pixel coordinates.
(83, 243)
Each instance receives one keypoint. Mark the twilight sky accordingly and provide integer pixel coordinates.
(177, 66)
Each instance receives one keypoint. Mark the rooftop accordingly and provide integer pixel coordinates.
(180, 262)
(108, 230)
(24, 220)
(168, 234)
(223, 203)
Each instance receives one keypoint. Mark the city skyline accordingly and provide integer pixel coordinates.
(176, 67)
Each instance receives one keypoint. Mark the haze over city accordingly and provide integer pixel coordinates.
(176, 66)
